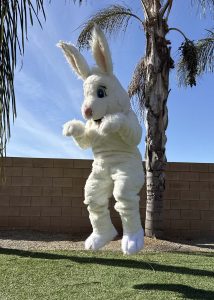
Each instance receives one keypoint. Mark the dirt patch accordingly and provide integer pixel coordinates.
(31, 240)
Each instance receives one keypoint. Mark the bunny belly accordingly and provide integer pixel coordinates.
(112, 148)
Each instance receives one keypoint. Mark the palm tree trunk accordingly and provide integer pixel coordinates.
(157, 64)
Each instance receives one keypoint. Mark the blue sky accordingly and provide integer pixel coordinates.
(48, 94)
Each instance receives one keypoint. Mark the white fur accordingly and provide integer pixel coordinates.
(113, 132)
(74, 128)
(96, 241)
(132, 243)
(112, 123)
(75, 59)
(117, 99)
(101, 51)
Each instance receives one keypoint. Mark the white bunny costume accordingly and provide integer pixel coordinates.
(113, 131)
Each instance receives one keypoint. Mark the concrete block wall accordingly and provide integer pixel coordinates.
(47, 195)
(189, 200)
(44, 194)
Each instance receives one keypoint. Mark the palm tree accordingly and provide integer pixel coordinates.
(150, 85)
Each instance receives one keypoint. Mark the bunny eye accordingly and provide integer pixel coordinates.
(101, 92)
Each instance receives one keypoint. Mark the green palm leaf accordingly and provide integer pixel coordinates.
(14, 17)
(205, 49)
(111, 20)
(204, 6)
(136, 89)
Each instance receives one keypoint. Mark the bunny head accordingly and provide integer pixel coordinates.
(103, 93)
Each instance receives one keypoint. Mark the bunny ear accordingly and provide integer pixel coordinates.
(101, 51)
(75, 59)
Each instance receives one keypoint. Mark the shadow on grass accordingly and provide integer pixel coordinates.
(187, 292)
(123, 263)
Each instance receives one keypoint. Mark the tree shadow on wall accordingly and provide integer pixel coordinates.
(186, 291)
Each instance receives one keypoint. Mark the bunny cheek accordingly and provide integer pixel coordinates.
(97, 106)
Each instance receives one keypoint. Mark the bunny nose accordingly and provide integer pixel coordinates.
(88, 112)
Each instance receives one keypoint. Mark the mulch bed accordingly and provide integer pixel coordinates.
(34, 240)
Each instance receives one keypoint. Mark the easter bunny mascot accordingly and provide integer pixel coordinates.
(113, 132)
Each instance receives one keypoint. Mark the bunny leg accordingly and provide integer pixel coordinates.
(128, 181)
(98, 190)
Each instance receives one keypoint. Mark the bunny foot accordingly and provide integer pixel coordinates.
(133, 243)
(96, 241)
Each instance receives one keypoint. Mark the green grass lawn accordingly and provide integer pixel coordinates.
(105, 275)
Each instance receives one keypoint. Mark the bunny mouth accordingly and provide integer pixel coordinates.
(98, 121)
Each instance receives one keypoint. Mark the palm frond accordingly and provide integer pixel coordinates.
(205, 49)
(136, 88)
(204, 6)
(14, 15)
(80, 1)
(111, 20)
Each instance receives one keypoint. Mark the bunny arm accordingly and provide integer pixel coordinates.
(126, 125)
(130, 129)
(82, 141)
(77, 130)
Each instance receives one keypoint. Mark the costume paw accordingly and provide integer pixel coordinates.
(96, 241)
(112, 123)
(73, 128)
(133, 243)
